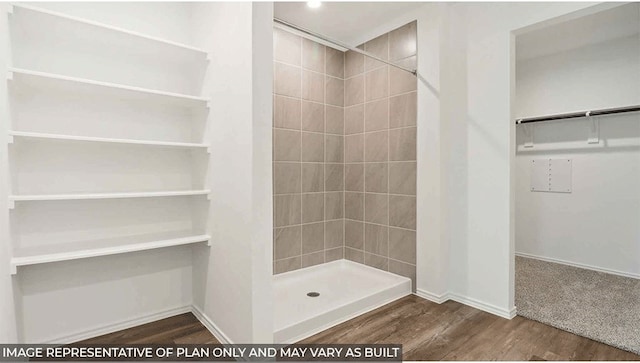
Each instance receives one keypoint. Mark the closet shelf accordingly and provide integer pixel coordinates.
(170, 144)
(86, 196)
(105, 251)
(65, 17)
(187, 100)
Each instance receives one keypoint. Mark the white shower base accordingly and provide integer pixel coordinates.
(347, 289)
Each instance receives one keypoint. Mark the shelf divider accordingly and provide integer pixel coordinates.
(92, 196)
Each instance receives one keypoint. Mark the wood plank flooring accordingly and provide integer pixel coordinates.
(427, 331)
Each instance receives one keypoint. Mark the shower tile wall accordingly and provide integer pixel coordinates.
(308, 167)
(380, 154)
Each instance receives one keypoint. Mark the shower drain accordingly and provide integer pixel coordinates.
(313, 294)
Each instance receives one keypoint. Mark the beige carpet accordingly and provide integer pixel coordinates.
(595, 305)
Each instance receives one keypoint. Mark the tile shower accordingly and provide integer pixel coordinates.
(345, 153)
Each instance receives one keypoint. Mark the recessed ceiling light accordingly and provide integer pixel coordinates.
(314, 4)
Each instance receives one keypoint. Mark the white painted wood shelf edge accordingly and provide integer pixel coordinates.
(110, 28)
(116, 86)
(38, 135)
(106, 251)
(88, 196)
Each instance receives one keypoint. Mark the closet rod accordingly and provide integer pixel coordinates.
(342, 45)
(562, 116)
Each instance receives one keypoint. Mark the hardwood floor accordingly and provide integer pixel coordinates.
(427, 331)
(179, 329)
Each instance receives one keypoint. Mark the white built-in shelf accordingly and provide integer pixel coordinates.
(45, 136)
(187, 100)
(104, 251)
(65, 17)
(85, 196)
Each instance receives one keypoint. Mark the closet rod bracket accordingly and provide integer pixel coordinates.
(528, 133)
(13, 269)
(594, 129)
(10, 9)
(9, 76)
(11, 204)
(10, 139)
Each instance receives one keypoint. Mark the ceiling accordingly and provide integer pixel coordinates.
(348, 22)
(618, 22)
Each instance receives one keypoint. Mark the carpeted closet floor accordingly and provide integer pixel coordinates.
(592, 304)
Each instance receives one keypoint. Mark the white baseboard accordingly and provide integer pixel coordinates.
(438, 299)
(489, 308)
(210, 325)
(579, 265)
(125, 324)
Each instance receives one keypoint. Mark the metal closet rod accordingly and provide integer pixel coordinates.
(340, 44)
(562, 116)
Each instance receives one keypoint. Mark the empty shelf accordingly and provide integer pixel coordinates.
(187, 100)
(87, 196)
(37, 135)
(105, 251)
(65, 17)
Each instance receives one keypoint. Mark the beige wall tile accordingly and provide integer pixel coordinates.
(334, 91)
(354, 177)
(287, 242)
(287, 265)
(312, 86)
(312, 259)
(334, 62)
(353, 64)
(354, 91)
(354, 234)
(353, 255)
(312, 114)
(334, 149)
(333, 205)
(333, 234)
(354, 119)
(378, 47)
(402, 211)
(287, 80)
(402, 245)
(403, 110)
(286, 145)
(376, 177)
(376, 115)
(286, 177)
(287, 47)
(334, 120)
(401, 81)
(312, 177)
(377, 84)
(354, 148)
(312, 237)
(312, 147)
(376, 239)
(286, 112)
(312, 55)
(402, 144)
(334, 254)
(376, 146)
(354, 206)
(379, 262)
(402, 177)
(376, 208)
(403, 42)
(287, 209)
(334, 177)
(404, 269)
(312, 207)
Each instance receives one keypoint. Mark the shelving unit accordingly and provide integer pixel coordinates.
(105, 251)
(44, 136)
(42, 42)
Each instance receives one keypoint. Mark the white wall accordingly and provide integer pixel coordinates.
(598, 223)
(232, 281)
